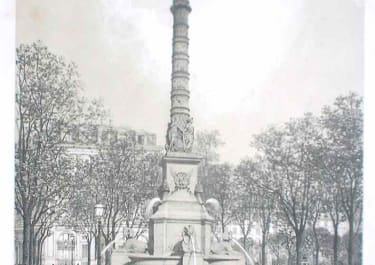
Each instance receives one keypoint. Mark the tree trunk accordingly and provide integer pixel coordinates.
(335, 243)
(89, 239)
(40, 247)
(350, 241)
(244, 242)
(298, 248)
(289, 257)
(32, 246)
(39, 251)
(108, 257)
(317, 246)
(222, 222)
(317, 250)
(36, 253)
(264, 257)
(107, 254)
(25, 240)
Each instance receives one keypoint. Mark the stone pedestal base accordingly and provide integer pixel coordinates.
(180, 208)
(191, 259)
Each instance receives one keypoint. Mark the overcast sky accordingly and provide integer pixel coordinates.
(253, 63)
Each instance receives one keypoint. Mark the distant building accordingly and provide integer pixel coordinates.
(85, 141)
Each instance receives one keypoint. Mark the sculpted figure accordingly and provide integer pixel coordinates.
(180, 135)
(172, 136)
(223, 247)
(185, 244)
(187, 235)
(188, 135)
(135, 246)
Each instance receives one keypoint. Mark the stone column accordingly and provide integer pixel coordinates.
(180, 58)
(180, 133)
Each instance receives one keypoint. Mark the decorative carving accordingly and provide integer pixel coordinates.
(181, 180)
(223, 247)
(135, 246)
(180, 134)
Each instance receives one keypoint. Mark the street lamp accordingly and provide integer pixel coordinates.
(72, 248)
(99, 210)
(65, 249)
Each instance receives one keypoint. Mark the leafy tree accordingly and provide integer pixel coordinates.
(243, 210)
(290, 151)
(330, 200)
(288, 240)
(47, 104)
(316, 213)
(80, 210)
(276, 246)
(342, 125)
(253, 200)
(219, 185)
(125, 178)
(206, 144)
(324, 239)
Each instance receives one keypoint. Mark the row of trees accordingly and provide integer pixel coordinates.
(52, 185)
(302, 170)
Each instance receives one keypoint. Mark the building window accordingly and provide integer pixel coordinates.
(141, 139)
(151, 139)
(85, 253)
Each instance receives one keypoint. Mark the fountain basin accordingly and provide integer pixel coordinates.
(145, 259)
(224, 260)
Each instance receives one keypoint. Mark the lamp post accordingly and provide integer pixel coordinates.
(65, 249)
(72, 248)
(99, 210)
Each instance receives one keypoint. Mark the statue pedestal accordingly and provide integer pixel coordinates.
(180, 230)
(180, 170)
(180, 208)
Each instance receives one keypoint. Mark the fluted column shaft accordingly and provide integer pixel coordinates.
(180, 59)
(180, 133)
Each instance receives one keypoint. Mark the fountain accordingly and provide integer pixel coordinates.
(180, 227)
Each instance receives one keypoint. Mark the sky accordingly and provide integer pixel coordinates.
(253, 63)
